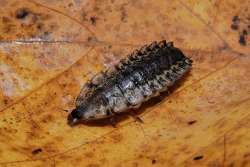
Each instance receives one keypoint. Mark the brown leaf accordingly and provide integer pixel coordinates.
(48, 49)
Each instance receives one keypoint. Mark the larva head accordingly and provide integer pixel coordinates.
(93, 108)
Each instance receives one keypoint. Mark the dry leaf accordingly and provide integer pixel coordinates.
(48, 49)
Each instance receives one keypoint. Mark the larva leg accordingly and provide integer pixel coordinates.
(113, 121)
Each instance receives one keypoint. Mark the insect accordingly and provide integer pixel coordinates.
(143, 74)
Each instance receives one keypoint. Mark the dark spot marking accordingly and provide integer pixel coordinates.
(93, 20)
(192, 122)
(70, 4)
(40, 26)
(198, 157)
(5, 101)
(123, 15)
(235, 18)
(153, 161)
(242, 40)
(22, 13)
(36, 151)
(65, 110)
(92, 40)
(234, 26)
(244, 32)
(235, 23)
(5, 19)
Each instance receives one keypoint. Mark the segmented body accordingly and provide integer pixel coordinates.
(143, 74)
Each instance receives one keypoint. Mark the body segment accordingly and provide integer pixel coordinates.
(143, 74)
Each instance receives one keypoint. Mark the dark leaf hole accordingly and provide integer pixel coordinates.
(198, 157)
(93, 20)
(153, 161)
(36, 151)
(192, 122)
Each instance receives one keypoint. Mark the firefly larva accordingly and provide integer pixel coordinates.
(143, 74)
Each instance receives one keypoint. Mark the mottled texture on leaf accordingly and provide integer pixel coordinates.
(49, 49)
